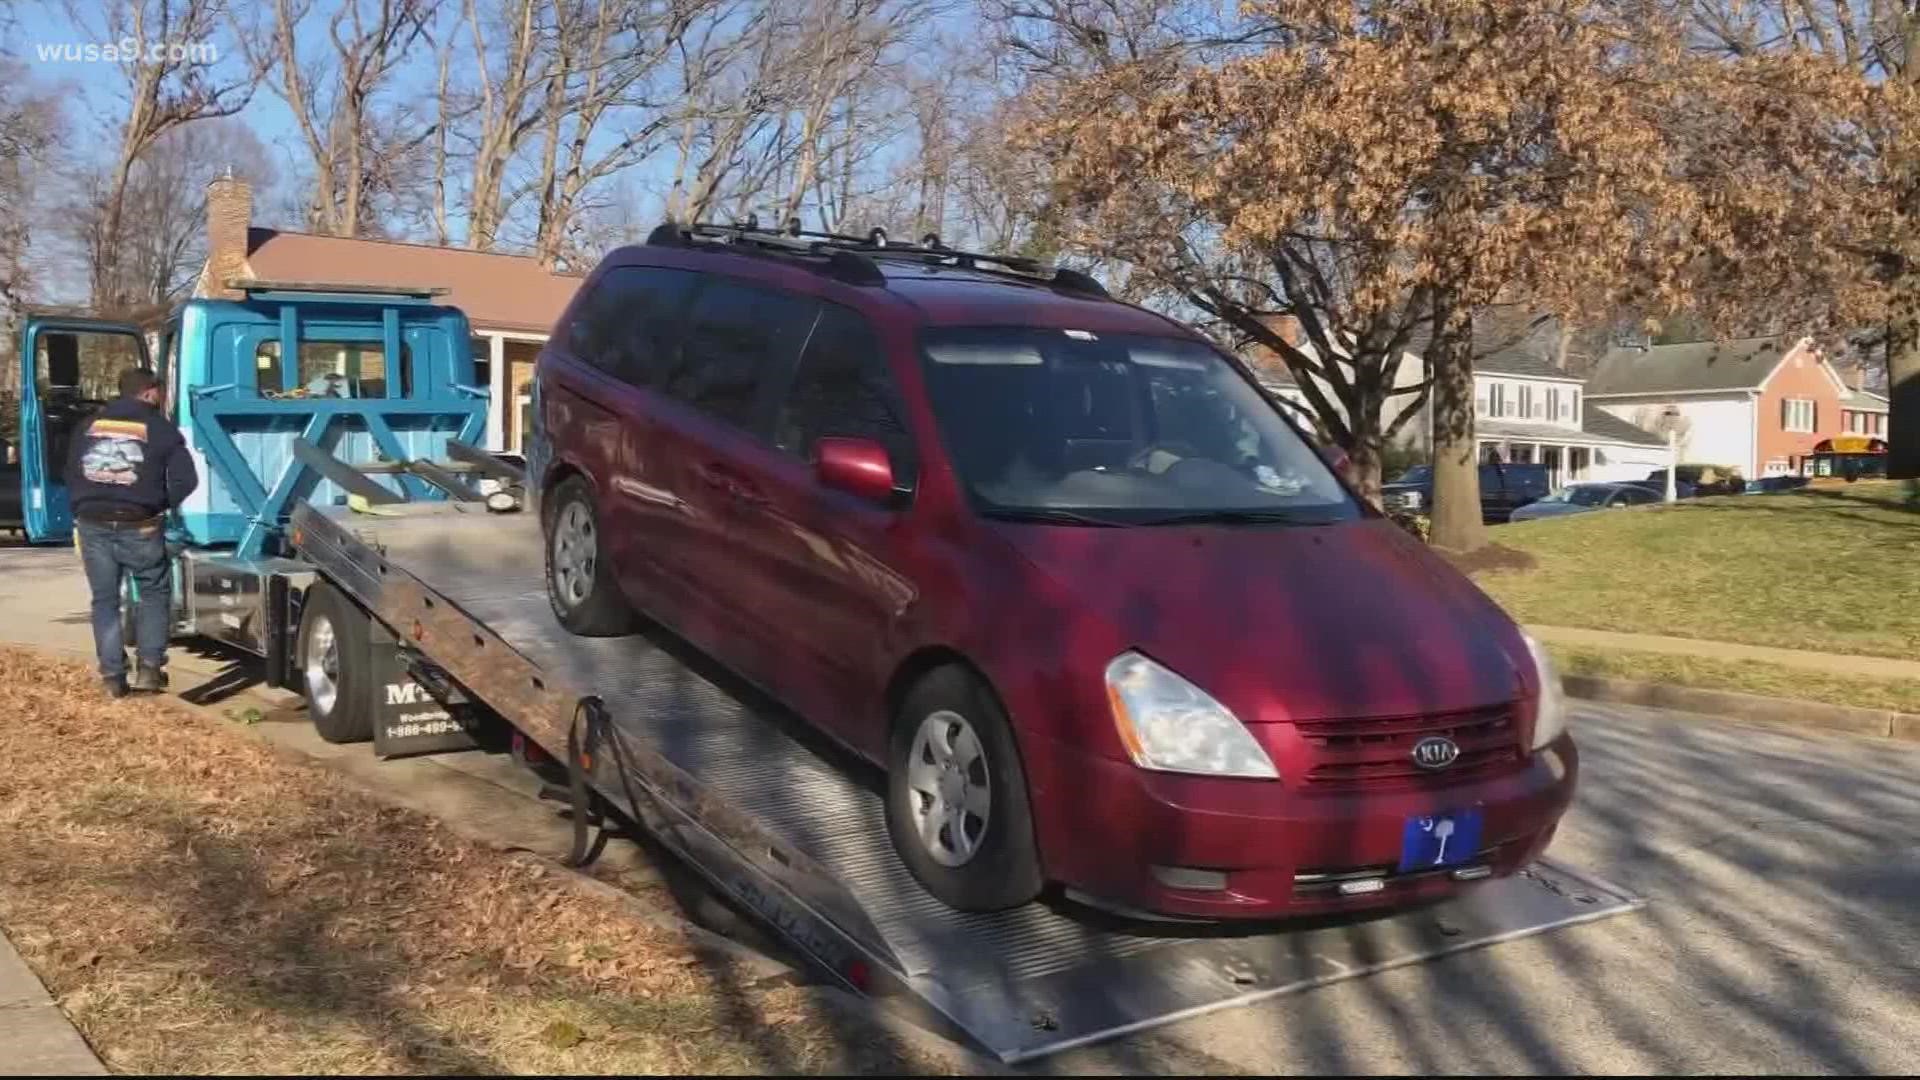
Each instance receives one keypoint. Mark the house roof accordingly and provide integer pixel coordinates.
(1688, 368)
(1604, 425)
(1864, 400)
(497, 291)
(1529, 358)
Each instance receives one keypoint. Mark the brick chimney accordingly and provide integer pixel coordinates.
(229, 212)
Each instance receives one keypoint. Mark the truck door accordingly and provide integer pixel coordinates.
(68, 369)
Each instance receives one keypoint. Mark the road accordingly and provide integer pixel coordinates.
(1782, 932)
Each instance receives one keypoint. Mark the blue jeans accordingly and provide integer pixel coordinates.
(139, 551)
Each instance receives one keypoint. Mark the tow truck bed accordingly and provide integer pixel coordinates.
(792, 830)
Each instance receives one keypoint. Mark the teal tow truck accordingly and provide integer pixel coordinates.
(320, 394)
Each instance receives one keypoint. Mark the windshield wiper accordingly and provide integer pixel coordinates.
(1243, 517)
(1050, 515)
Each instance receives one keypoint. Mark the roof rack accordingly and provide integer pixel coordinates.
(855, 257)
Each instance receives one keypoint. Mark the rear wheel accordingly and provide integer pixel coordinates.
(580, 583)
(335, 661)
(957, 805)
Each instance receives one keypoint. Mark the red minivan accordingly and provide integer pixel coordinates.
(1101, 612)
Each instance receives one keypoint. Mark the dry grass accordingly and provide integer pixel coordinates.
(199, 904)
(1745, 676)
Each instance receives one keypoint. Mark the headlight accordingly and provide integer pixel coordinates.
(1171, 725)
(1550, 719)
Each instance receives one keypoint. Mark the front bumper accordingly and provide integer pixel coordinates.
(1117, 834)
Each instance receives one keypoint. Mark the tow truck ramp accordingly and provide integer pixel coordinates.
(793, 831)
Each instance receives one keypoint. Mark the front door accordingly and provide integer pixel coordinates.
(69, 368)
(820, 570)
(1552, 458)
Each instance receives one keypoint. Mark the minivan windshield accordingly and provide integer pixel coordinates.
(1079, 428)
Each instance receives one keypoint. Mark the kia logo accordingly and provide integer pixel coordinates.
(1435, 752)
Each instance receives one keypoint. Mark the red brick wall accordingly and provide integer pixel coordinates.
(1801, 375)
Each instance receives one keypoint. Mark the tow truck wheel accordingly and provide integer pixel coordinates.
(580, 582)
(957, 796)
(336, 666)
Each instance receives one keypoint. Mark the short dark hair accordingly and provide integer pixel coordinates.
(136, 381)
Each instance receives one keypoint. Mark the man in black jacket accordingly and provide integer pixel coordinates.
(128, 466)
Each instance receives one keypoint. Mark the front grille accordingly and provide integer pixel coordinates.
(1377, 754)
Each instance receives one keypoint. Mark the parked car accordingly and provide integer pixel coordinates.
(1580, 498)
(1503, 489)
(1102, 614)
(1770, 484)
(1698, 481)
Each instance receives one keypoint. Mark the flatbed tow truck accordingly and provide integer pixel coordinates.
(445, 638)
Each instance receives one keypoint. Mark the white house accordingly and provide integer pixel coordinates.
(1527, 410)
(1756, 405)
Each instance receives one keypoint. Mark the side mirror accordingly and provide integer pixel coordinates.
(859, 467)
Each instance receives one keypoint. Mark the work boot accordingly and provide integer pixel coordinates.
(150, 679)
(114, 685)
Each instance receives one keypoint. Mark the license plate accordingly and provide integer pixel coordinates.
(1439, 840)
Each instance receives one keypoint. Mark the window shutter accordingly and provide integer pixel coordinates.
(1814, 408)
(1786, 412)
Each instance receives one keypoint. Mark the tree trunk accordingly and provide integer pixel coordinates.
(1457, 525)
(1364, 463)
(1903, 381)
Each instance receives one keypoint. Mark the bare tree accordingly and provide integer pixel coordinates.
(170, 82)
(512, 81)
(166, 192)
(28, 121)
(608, 56)
(332, 95)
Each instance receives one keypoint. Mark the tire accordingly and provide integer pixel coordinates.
(334, 668)
(580, 580)
(995, 864)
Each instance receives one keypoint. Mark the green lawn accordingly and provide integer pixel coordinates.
(1835, 569)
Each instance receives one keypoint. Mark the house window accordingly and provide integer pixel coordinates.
(1497, 399)
(1526, 401)
(1574, 406)
(1799, 414)
(1480, 405)
(1554, 409)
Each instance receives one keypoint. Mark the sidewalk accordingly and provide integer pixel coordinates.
(36, 1038)
(1865, 667)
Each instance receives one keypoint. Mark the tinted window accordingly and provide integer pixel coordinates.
(736, 336)
(629, 327)
(843, 387)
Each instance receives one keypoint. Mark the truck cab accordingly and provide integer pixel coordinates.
(377, 377)
(293, 393)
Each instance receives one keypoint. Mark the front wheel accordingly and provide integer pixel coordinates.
(957, 805)
(335, 656)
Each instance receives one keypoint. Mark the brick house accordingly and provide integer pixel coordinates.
(511, 301)
(1757, 405)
